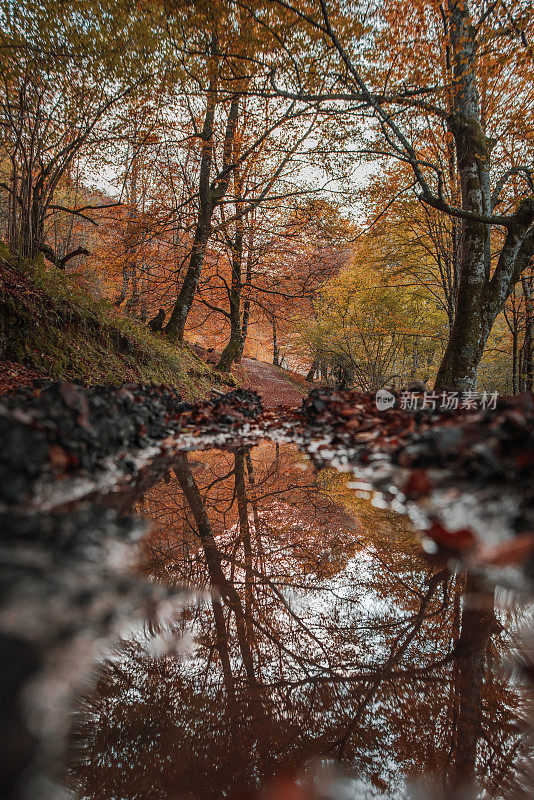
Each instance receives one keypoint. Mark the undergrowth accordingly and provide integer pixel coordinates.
(50, 324)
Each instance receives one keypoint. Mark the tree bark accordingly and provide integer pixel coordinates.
(218, 579)
(514, 358)
(471, 325)
(244, 532)
(276, 349)
(481, 296)
(234, 348)
(470, 652)
(61, 263)
(254, 503)
(312, 370)
(528, 359)
(210, 195)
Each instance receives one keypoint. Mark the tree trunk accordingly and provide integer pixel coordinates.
(528, 360)
(480, 296)
(254, 503)
(176, 324)
(214, 561)
(13, 210)
(512, 320)
(232, 351)
(471, 326)
(130, 268)
(477, 625)
(30, 235)
(210, 195)
(244, 531)
(514, 357)
(276, 350)
(468, 337)
(312, 370)
(223, 648)
(246, 304)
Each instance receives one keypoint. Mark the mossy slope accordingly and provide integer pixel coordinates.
(49, 324)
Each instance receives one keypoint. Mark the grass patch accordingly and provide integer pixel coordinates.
(50, 324)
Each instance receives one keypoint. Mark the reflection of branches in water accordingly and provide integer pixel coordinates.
(398, 650)
(218, 579)
(314, 643)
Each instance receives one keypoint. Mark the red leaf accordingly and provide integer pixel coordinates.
(75, 399)
(417, 484)
(83, 421)
(462, 539)
(525, 459)
(59, 458)
(69, 394)
(516, 551)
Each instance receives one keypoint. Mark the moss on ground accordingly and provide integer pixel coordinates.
(49, 324)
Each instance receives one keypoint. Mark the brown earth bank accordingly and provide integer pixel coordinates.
(50, 327)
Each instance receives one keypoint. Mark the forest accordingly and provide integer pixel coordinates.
(341, 188)
(266, 399)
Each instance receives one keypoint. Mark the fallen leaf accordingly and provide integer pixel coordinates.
(516, 551)
(418, 484)
(70, 395)
(59, 458)
(462, 539)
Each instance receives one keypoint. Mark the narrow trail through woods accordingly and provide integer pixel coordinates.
(274, 388)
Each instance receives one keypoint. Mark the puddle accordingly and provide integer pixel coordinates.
(319, 655)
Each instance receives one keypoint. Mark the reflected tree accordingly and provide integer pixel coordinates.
(323, 636)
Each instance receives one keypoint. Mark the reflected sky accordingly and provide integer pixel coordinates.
(323, 657)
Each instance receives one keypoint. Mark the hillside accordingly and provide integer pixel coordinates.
(49, 327)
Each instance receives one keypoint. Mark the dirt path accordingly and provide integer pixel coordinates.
(271, 383)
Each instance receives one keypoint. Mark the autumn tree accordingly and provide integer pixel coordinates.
(60, 85)
(457, 93)
(369, 330)
(226, 52)
(292, 244)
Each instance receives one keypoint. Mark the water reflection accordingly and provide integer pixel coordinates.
(322, 634)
